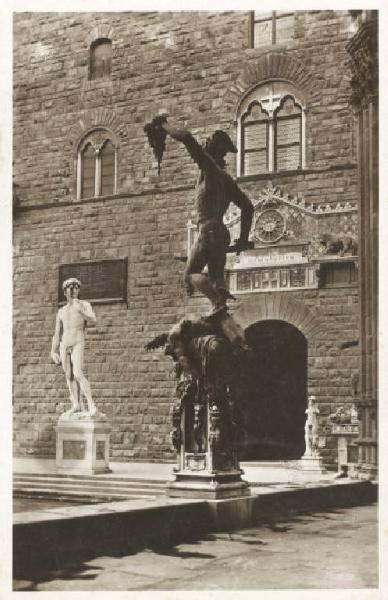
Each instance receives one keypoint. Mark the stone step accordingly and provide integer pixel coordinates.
(97, 477)
(51, 492)
(40, 485)
(90, 480)
(271, 464)
(97, 489)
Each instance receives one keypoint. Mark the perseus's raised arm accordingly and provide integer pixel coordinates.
(157, 130)
(197, 153)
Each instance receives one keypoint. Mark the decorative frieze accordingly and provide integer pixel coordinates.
(272, 197)
(264, 280)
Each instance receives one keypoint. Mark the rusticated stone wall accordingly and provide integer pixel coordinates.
(185, 63)
(189, 65)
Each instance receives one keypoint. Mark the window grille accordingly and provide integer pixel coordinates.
(88, 171)
(107, 168)
(288, 130)
(254, 140)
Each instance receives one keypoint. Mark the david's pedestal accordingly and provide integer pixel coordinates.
(83, 444)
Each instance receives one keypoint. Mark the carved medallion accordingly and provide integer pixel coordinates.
(270, 226)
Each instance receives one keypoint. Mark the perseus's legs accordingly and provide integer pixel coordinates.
(193, 273)
(216, 264)
(70, 380)
(77, 358)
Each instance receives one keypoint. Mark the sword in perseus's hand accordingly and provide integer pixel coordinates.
(239, 246)
(157, 137)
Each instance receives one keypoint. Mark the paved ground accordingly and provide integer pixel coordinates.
(336, 549)
(22, 505)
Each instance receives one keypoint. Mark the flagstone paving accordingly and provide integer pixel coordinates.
(332, 549)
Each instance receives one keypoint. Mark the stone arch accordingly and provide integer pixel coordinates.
(100, 117)
(271, 65)
(100, 31)
(277, 306)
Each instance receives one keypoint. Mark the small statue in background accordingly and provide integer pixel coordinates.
(311, 428)
(68, 345)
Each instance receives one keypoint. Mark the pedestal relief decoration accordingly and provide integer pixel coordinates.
(208, 354)
(83, 444)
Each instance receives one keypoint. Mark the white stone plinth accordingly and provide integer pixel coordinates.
(311, 463)
(83, 444)
(346, 434)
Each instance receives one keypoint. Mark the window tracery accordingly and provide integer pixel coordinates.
(97, 165)
(271, 129)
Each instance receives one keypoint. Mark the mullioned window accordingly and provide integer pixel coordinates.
(97, 165)
(271, 130)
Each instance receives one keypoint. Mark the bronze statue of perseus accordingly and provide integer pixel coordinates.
(215, 190)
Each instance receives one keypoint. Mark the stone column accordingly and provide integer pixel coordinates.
(363, 51)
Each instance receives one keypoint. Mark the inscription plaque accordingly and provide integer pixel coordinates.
(74, 449)
(102, 281)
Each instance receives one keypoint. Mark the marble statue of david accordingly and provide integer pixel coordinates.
(68, 345)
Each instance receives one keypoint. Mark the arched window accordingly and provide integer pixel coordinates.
(100, 64)
(97, 164)
(271, 126)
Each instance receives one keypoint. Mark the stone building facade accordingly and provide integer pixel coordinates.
(89, 200)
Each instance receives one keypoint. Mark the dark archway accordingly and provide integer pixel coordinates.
(273, 411)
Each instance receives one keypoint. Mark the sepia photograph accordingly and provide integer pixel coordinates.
(195, 300)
